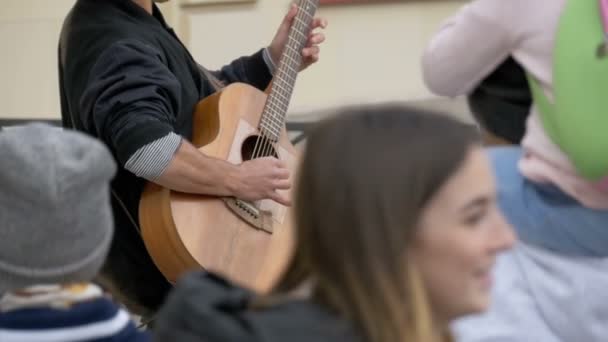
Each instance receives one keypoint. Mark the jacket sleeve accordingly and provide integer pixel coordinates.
(468, 47)
(252, 70)
(130, 98)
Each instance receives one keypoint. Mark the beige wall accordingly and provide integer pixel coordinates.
(372, 53)
(28, 35)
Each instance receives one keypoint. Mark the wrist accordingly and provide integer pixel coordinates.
(232, 178)
(270, 60)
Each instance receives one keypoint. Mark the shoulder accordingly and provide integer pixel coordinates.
(500, 9)
(513, 15)
(86, 38)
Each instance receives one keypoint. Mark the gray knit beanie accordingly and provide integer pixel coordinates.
(56, 222)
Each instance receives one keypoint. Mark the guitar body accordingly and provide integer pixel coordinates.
(185, 232)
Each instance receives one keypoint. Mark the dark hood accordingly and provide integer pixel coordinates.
(203, 307)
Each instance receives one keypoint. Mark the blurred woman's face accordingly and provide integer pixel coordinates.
(460, 233)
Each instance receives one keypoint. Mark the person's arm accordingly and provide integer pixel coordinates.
(469, 46)
(175, 164)
(192, 171)
(130, 101)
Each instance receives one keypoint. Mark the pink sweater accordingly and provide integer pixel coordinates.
(475, 41)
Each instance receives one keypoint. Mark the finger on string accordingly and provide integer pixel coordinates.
(311, 51)
(319, 22)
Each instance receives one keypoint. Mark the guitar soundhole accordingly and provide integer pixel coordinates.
(261, 146)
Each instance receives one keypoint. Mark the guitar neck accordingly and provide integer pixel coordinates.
(275, 110)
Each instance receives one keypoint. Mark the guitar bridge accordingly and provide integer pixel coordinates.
(248, 208)
(251, 214)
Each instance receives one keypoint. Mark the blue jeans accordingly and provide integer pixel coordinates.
(543, 215)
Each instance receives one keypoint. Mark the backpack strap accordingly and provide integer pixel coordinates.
(576, 118)
(602, 49)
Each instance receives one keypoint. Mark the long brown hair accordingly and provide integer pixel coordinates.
(365, 177)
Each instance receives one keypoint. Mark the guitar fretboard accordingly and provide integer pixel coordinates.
(275, 110)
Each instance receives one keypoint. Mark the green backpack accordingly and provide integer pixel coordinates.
(577, 120)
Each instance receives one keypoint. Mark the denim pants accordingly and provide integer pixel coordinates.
(543, 215)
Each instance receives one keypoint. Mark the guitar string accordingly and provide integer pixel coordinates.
(284, 72)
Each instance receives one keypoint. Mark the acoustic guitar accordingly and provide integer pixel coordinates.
(248, 242)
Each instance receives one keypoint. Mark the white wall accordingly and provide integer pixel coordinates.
(372, 52)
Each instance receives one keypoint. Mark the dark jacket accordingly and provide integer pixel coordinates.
(126, 79)
(205, 308)
(501, 103)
